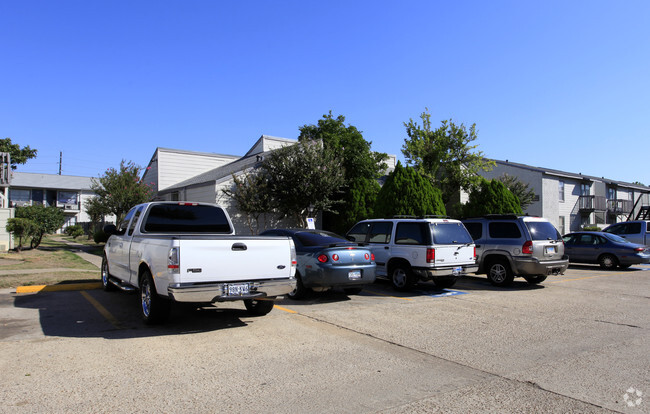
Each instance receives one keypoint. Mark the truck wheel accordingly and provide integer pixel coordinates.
(352, 290)
(499, 273)
(401, 276)
(106, 285)
(607, 261)
(155, 309)
(258, 307)
(444, 283)
(535, 280)
(300, 291)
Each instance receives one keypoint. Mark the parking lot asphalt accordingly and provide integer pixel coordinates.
(577, 343)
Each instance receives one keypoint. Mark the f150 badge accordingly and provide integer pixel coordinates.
(195, 270)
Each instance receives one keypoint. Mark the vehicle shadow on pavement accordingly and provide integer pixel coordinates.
(71, 314)
(315, 298)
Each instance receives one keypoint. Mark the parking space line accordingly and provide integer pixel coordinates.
(101, 309)
(383, 294)
(284, 309)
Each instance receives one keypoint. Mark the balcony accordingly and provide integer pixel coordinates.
(592, 203)
(619, 206)
(71, 207)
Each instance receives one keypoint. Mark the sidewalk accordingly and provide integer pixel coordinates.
(81, 251)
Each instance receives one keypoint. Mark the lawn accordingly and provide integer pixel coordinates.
(49, 260)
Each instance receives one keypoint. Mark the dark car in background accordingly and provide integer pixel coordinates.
(327, 260)
(606, 249)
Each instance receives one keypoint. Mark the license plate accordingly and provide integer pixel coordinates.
(354, 275)
(551, 250)
(238, 289)
(457, 271)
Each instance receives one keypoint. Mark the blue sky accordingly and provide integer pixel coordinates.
(557, 84)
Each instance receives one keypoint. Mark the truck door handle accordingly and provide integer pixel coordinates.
(239, 247)
(386, 247)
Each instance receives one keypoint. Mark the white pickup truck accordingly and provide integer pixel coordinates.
(188, 252)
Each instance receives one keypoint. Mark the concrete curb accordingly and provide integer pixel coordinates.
(58, 288)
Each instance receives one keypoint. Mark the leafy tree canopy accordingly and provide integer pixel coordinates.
(491, 197)
(444, 155)
(407, 192)
(18, 155)
(250, 191)
(362, 167)
(522, 190)
(119, 190)
(45, 220)
(301, 178)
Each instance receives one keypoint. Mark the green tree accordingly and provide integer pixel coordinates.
(407, 192)
(302, 178)
(18, 155)
(46, 220)
(21, 228)
(96, 211)
(250, 191)
(522, 190)
(119, 190)
(444, 155)
(361, 167)
(491, 197)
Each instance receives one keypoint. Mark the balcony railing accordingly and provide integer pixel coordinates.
(619, 206)
(592, 203)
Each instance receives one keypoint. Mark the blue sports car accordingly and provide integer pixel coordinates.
(606, 249)
(327, 260)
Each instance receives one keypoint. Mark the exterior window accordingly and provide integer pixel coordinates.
(175, 196)
(67, 197)
(19, 197)
(561, 189)
(504, 230)
(562, 225)
(611, 193)
(585, 189)
(380, 233)
(411, 233)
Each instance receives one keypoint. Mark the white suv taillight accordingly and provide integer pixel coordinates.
(294, 259)
(173, 261)
(431, 255)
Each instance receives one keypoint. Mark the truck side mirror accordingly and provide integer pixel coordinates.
(110, 229)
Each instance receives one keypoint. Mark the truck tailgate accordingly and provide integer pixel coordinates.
(236, 259)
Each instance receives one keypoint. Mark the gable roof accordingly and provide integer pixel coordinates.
(578, 176)
(50, 181)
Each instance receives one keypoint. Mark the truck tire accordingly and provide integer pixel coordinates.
(106, 285)
(155, 309)
(258, 307)
(499, 273)
(401, 276)
(300, 291)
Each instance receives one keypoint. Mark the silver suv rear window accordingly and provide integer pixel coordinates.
(542, 230)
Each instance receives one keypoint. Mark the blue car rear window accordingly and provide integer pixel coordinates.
(324, 238)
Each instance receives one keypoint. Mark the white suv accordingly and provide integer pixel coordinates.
(410, 249)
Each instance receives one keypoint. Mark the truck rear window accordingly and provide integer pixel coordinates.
(179, 218)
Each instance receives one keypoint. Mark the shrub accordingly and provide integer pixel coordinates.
(100, 237)
(74, 231)
(21, 228)
(592, 228)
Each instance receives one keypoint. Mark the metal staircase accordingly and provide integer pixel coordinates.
(643, 214)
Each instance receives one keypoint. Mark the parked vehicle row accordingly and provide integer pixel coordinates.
(188, 252)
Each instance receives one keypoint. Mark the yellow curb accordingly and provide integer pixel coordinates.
(58, 288)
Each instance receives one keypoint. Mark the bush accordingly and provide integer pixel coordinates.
(74, 231)
(21, 228)
(100, 237)
(591, 228)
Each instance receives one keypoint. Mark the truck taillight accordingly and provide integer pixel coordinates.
(173, 261)
(527, 248)
(294, 258)
(431, 255)
(474, 252)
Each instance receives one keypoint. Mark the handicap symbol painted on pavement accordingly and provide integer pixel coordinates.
(445, 293)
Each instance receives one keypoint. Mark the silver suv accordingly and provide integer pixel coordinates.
(410, 249)
(509, 246)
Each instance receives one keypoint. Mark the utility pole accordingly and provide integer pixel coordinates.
(60, 161)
